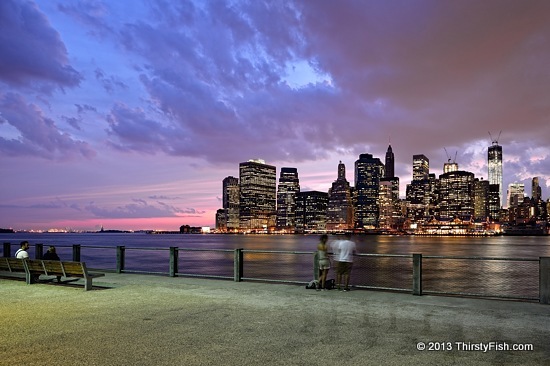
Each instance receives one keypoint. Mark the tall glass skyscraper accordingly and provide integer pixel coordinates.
(340, 205)
(230, 202)
(390, 164)
(421, 167)
(494, 164)
(258, 196)
(311, 211)
(289, 186)
(368, 172)
(456, 195)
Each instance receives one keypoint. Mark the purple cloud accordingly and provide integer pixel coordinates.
(33, 54)
(39, 135)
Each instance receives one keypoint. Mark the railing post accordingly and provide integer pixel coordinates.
(120, 249)
(7, 250)
(38, 251)
(76, 252)
(316, 266)
(417, 274)
(238, 261)
(173, 261)
(544, 280)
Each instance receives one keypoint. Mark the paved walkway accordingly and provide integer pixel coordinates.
(134, 319)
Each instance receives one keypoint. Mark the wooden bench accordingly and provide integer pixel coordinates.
(12, 265)
(33, 268)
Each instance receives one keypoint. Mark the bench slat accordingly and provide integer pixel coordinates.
(53, 268)
(15, 265)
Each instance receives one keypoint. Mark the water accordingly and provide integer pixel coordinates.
(514, 278)
(497, 246)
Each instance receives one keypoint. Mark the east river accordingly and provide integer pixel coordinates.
(519, 277)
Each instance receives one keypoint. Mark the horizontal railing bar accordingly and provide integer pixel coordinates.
(147, 272)
(383, 288)
(203, 276)
(272, 280)
(478, 295)
(206, 250)
(275, 251)
(383, 255)
(481, 258)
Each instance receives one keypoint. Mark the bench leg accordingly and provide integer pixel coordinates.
(31, 278)
(88, 284)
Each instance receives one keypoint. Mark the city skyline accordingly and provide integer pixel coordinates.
(129, 117)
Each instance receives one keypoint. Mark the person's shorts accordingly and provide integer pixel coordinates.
(344, 268)
(324, 264)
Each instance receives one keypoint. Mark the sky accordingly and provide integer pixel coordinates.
(129, 114)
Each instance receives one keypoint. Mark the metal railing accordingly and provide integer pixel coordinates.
(511, 278)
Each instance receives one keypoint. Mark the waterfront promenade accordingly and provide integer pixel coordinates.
(133, 319)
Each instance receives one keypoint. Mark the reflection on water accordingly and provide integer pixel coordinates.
(439, 275)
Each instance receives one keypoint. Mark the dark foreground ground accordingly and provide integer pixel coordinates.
(131, 319)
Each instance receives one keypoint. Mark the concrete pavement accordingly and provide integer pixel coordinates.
(134, 319)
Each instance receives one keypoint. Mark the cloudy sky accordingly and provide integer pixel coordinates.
(129, 114)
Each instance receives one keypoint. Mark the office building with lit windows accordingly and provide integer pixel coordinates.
(311, 212)
(340, 205)
(515, 194)
(389, 205)
(481, 199)
(368, 172)
(230, 203)
(419, 193)
(421, 167)
(456, 195)
(494, 202)
(258, 196)
(494, 165)
(289, 186)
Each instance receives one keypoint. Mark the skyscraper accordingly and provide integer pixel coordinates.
(340, 206)
(311, 211)
(389, 206)
(390, 164)
(481, 199)
(456, 194)
(289, 186)
(494, 202)
(368, 172)
(421, 167)
(418, 193)
(515, 194)
(258, 196)
(536, 190)
(230, 201)
(494, 164)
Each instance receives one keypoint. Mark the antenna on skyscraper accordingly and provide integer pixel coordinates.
(495, 142)
(448, 156)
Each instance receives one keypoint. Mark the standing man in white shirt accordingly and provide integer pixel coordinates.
(22, 252)
(346, 251)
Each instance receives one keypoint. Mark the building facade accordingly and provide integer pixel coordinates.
(311, 212)
(340, 205)
(368, 172)
(258, 196)
(515, 194)
(494, 166)
(230, 202)
(289, 186)
(456, 195)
